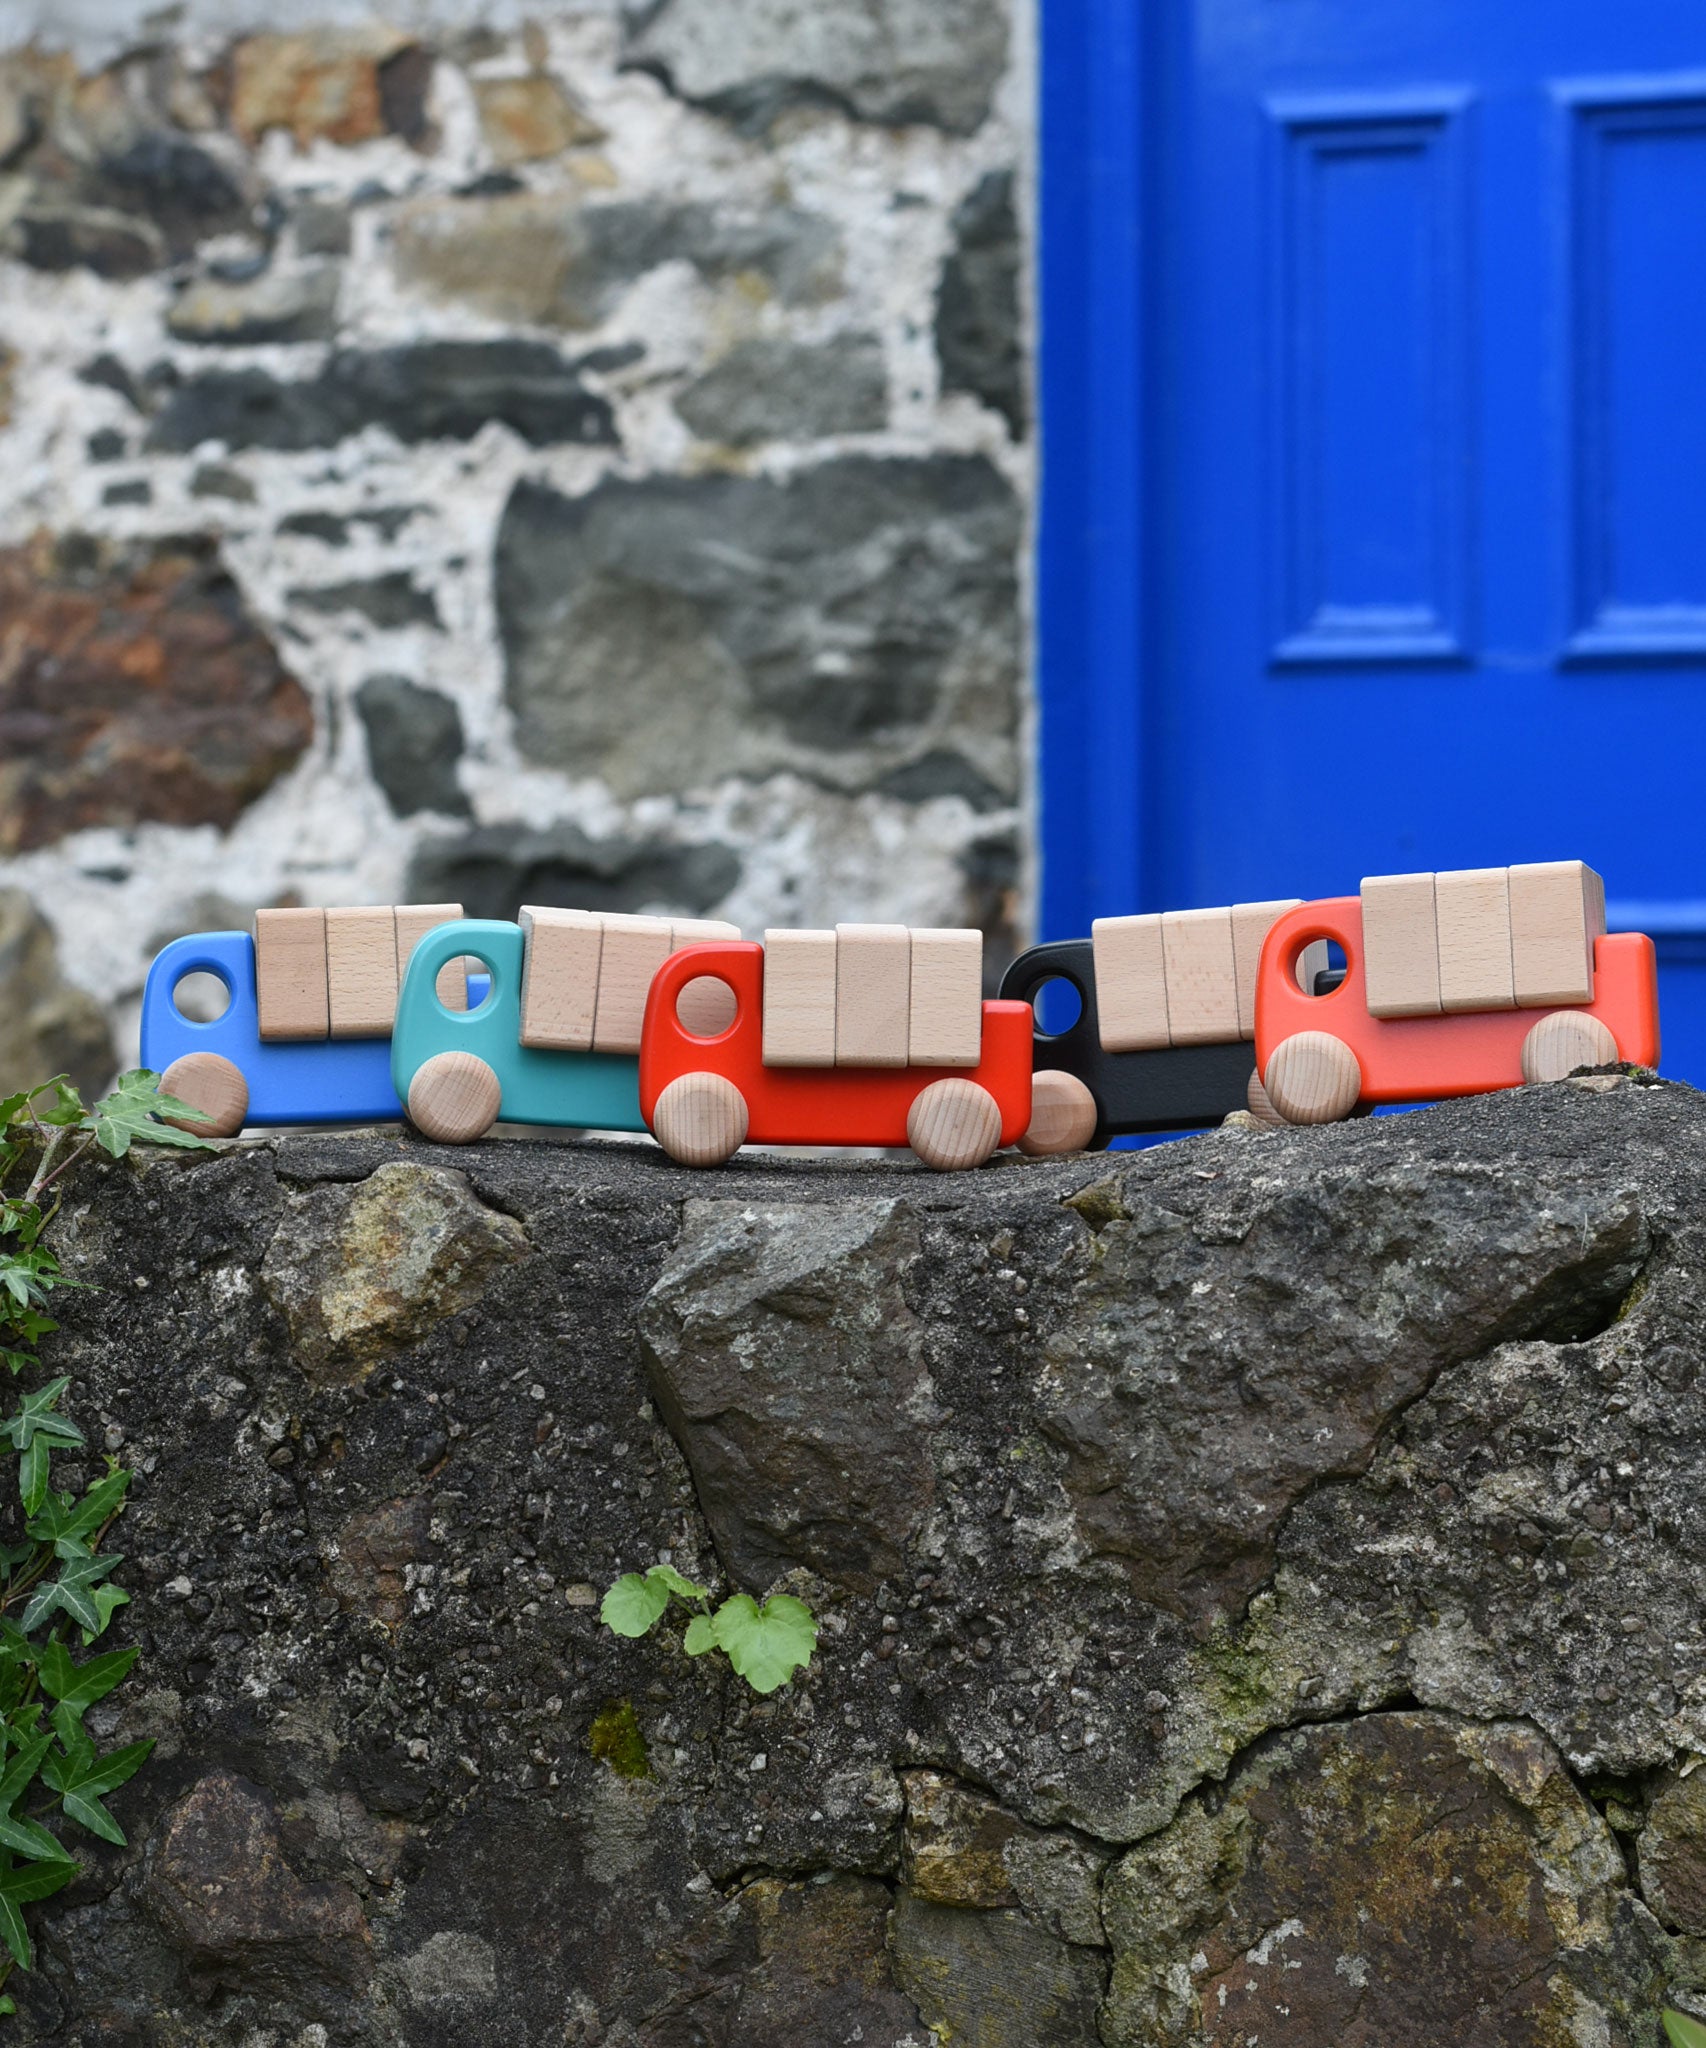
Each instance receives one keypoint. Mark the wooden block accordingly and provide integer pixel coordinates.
(1251, 923)
(1131, 983)
(1202, 977)
(799, 999)
(1400, 946)
(561, 950)
(1313, 960)
(290, 973)
(1557, 911)
(414, 921)
(706, 1006)
(634, 949)
(361, 971)
(1472, 907)
(873, 994)
(945, 1027)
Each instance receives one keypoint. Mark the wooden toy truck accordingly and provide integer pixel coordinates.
(1455, 984)
(557, 1039)
(865, 1035)
(305, 1036)
(1167, 1018)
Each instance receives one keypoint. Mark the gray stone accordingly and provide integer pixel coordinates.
(559, 262)
(774, 390)
(414, 741)
(47, 1025)
(890, 61)
(494, 869)
(418, 391)
(1672, 1850)
(389, 601)
(994, 1978)
(852, 619)
(218, 480)
(134, 491)
(322, 227)
(279, 305)
(977, 304)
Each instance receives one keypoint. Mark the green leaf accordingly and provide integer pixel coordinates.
(17, 1888)
(128, 1114)
(767, 1644)
(666, 1575)
(15, 1361)
(73, 1591)
(82, 1780)
(700, 1636)
(1684, 2032)
(34, 1417)
(67, 1104)
(633, 1604)
(11, 1106)
(108, 1600)
(79, 1686)
(67, 1524)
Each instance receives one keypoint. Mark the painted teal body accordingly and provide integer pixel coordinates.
(593, 1091)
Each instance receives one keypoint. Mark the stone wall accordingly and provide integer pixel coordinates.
(578, 453)
(1259, 1584)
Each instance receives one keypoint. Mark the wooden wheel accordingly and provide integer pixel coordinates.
(1063, 1115)
(1260, 1104)
(1564, 1041)
(1313, 1078)
(954, 1124)
(454, 1098)
(208, 1081)
(700, 1119)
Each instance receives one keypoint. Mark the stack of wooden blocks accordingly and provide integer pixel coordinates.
(873, 995)
(586, 976)
(1185, 977)
(1516, 938)
(336, 973)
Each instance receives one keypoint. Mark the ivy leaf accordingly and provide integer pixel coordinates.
(700, 1636)
(11, 1107)
(79, 1686)
(108, 1599)
(82, 1780)
(633, 1604)
(1684, 2032)
(767, 1644)
(73, 1591)
(128, 1113)
(666, 1575)
(66, 1524)
(67, 1103)
(17, 1888)
(34, 1431)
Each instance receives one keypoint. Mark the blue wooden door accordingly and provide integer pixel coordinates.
(1374, 444)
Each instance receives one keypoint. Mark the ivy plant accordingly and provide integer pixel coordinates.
(766, 1645)
(1683, 2032)
(56, 1580)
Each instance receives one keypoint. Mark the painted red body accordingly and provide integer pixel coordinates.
(1426, 1059)
(814, 1105)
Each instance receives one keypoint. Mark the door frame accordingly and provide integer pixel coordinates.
(1091, 376)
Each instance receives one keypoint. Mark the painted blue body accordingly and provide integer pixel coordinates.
(1374, 426)
(598, 1091)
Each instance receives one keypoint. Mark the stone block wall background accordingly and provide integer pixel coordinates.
(578, 455)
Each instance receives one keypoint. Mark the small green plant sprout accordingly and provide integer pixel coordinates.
(1682, 2031)
(56, 1580)
(766, 1645)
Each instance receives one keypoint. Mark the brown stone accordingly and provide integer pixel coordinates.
(527, 118)
(325, 85)
(8, 363)
(1672, 1851)
(134, 686)
(47, 1026)
(368, 1567)
(218, 1884)
(952, 1850)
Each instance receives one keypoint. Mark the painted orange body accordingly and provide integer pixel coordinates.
(1426, 1059)
(814, 1105)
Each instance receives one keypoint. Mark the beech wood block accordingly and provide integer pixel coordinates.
(1202, 977)
(1313, 960)
(414, 921)
(700, 1119)
(1250, 924)
(1131, 983)
(1400, 946)
(799, 999)
(953, 1124)
(290, 973)
(873, 994)
(1566, 1040)
(454, 1098)
(213, 1084)
(634, 949)
(1557, 911)
(945, 1027)
(706, 1006)
(1472, 910)
(561, 951)
(1312, 1078)
(1063, 1115)
(361, 971)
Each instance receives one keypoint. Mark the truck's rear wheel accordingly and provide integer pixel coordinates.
(953, 1124)
(1260, 1103)
(454, 1098)
(700, 1119)
(1564, 1041)
(1313, 1078)
(213, 1084)
(1063, 1115)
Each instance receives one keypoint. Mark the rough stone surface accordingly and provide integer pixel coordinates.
(134, 685)
(1672, 1848)
(493, 870)
(977, 308)
(864, 622)
(291, 306)
(414, 740)
(400, 1419)
(782, 391)
(47, 1024)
